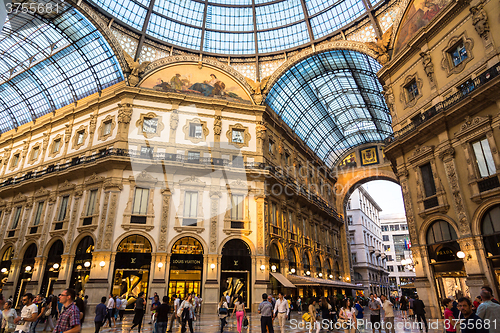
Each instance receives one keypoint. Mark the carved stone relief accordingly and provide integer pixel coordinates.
(162, 244)
(214, 213)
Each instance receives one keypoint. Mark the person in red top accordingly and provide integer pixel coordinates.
(476, 303)
(69, 318)
(449, 323)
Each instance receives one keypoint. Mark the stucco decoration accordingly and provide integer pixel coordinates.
(180, 74)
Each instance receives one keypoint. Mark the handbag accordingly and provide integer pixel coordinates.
(306, 316)
(223, 311)
(179, 310)
(245, 322)
(48, 312)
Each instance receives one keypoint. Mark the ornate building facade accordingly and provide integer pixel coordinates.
(142, 189)
(442, 88)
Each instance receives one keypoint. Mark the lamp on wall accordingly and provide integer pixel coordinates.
(262, 268)
(28, 269)
(330, 276)
(462, 255)
(4, 270)
(160, 265)
(320, 274)
(273, 268)
(212, 266)
(86, 264)
(102, 264)
(55, 266)
(293, 270)
(308, 273)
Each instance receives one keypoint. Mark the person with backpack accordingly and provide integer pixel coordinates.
(186, 312)
(222, 311)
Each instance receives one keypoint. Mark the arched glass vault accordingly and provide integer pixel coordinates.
(333, 102)
(235, 27)
(50, 60)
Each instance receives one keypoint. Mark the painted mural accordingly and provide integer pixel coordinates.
(417, 16)
(190, 79)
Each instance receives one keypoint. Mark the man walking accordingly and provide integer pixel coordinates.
(29, 314)
(374, 307)
(100, 314)
(110, 308)
(162, 316)
(69, 318)
(177, 302)
(388, 314)
(282, 310)
(419, 311)
(489, 311)
(265, 309)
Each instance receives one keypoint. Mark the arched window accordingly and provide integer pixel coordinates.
(135, 244)
(317, 264)
(187, 245)
(274, 252)
(491, 221)
(8, 254)
(440, 231)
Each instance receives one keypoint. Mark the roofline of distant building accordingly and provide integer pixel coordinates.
(372, 201)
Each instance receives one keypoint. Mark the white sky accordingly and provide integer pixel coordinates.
(388, 196)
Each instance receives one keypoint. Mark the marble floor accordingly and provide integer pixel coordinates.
(207, 323)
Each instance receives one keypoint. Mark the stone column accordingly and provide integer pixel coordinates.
(212, 285)
(158, 278)
(124, 117)
(100, 278)
(65, 272)
(476, 277)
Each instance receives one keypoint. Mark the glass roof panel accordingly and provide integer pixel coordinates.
(333, 102)
(127, 11)
(335, 17)
(54, 61)
(278, 25)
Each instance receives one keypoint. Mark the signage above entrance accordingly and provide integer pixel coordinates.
(186, 262)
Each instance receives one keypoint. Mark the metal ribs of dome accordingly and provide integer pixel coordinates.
(333, 102)
(49, 61)
(235, 27)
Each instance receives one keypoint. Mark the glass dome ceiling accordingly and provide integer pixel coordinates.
(235, 27)
(333, 102)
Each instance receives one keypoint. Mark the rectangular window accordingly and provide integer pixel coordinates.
(389, 257)
(91, 202)
(401, 268)
(271, 147)
(403, 226)
(349, 220)
(412, 90)
(190, 208)
(237, 204)
(196, 131)
(385, 238)
(387, 247)
(81, 135)
(57, 146)
(287, 159)
(193, 156)
(484, 158)
(63, 208)
(396, 227)
(15, 160)
(17, 217)
(390, 268)
(36, 151)
(274, 214)
(458, 54)
(428, 180)
(141, 199)
(238, 136)
(385, 228)
(38, 214)
(149, 125)
(354, 257)
(391, 227)
(107, 128)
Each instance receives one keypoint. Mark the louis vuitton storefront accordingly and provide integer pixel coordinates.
(132, 268)
(186, 267)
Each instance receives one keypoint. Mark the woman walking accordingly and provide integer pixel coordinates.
(239, 309)
(449, 319)
(222, 311)
(313, 322)
(187, 314)
(404, 308)
(347, 313)
(8, 316)
(140, 305)
(49, 320)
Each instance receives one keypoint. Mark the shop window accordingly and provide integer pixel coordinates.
(63, 208)
(195, 131)
(150, 125)
(484, 158)
(458, 53)
(190, 209)
(140, 206)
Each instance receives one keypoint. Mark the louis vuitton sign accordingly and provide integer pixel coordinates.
(186, 261)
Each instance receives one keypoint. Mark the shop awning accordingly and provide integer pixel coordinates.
(314, 282)
(283, 280)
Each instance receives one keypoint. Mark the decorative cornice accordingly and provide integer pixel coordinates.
(472, 125)
(94, 179)
(66, 186)
(420, 152)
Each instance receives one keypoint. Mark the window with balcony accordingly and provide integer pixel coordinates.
(38, 214)
(195, 131)
(484, 158)
(90, 207)
(237, 211)
(190, 208)
(429, 186)
(63, 208)
(17, 217)
(140, 206)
